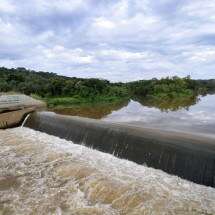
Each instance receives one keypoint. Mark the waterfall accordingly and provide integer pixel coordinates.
(25, 120)
(188, 156)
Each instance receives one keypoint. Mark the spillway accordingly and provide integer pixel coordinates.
(191, 157)
(14, 108)
(46, 175)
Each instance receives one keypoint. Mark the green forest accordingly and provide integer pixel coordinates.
(59, 90)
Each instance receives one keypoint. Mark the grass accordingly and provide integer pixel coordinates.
(61, 102)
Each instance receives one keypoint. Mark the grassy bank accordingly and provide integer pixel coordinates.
(66, 102)
(71, 101)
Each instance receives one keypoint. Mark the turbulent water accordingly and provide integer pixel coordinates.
(42, 174)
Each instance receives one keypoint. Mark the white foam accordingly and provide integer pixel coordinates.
(91, 180)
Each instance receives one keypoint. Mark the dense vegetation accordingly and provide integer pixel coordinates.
(60, 90)
(167, 88)
(169, 94)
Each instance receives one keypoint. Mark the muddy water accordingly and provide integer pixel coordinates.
(94, 111)
(42, 174)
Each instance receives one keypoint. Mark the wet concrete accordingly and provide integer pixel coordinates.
(14, 108)
(14, 118)
(10, 102)
(191, 157)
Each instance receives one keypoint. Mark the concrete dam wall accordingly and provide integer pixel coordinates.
(188, 156)
(14, 108)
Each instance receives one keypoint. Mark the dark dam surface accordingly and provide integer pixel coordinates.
(188, 156)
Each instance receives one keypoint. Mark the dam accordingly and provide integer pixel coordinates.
(191, 157)
(55, 164)
(14, 107)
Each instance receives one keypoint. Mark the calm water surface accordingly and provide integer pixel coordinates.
(197, 115)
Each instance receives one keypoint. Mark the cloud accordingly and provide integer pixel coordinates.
(204, 55)
(60, 53)
(200, 10)
(123, 55)
(7, 7)
(102, 23)
(118, 40)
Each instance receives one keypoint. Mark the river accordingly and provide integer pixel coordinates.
(195, 115)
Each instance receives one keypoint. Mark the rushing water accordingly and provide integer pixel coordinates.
(42, 174)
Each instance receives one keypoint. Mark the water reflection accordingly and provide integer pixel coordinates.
(196, 114)
(169, 104)
(95, 111)
(199, 117)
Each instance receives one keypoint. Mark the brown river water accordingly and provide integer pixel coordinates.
(45, 175)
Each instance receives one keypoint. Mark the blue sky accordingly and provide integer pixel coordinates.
(121, 40)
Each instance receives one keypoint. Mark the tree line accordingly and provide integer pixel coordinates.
(46, 84)
(49, 85)
(171, 87)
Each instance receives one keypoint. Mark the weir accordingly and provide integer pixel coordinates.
(14, 108)
(191, 157)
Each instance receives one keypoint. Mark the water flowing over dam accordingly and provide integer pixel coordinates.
(46, 175)
(185, 155)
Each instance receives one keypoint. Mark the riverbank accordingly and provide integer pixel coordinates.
(66, 102)
(106, 104)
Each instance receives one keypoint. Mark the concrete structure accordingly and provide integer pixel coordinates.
(13, 109)
(189, 156)
(18, 101)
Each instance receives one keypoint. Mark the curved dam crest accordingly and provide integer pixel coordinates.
(188, 156)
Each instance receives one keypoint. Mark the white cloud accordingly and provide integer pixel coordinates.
(123, 55)
(62, 54)
(102, 22)
(121, 23)
(6, 7)
(202, 54)
(44, 6)
(200, 9)
(6, 27)
(11, 34)
(118, 40)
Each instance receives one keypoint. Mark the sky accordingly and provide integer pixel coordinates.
(118, 40)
